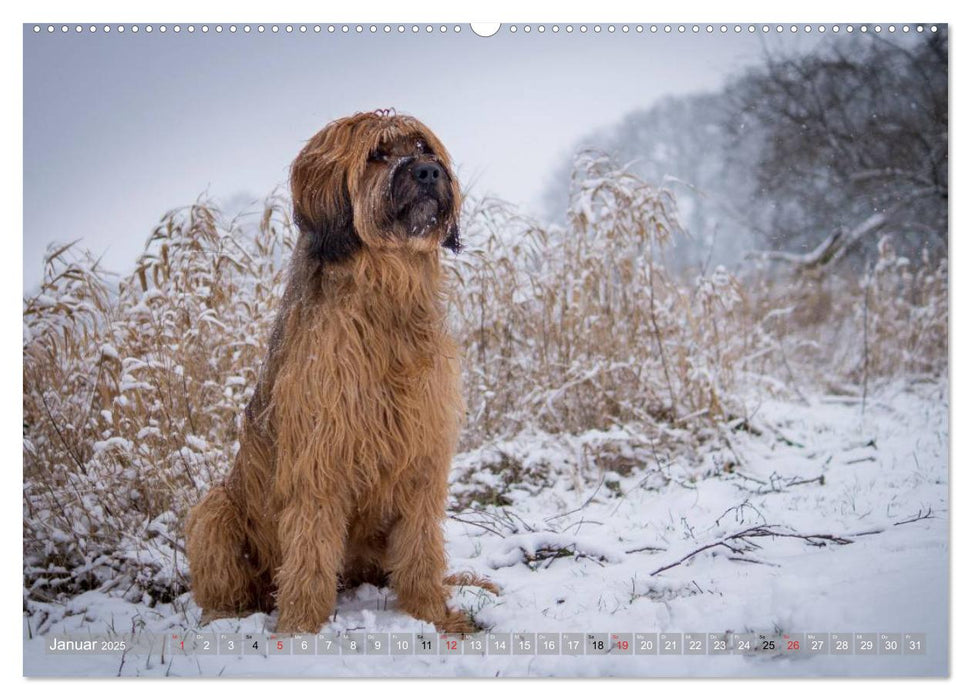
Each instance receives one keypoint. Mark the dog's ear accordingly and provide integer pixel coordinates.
(452, 240)
(322, 207)
(329, 226)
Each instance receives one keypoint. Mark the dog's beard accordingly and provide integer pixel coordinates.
(422, 216)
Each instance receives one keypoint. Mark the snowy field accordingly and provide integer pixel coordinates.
(805, 518)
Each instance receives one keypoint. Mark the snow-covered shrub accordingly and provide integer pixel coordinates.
(842, 330)
(134, 385)
(132, 390)
(583, 327)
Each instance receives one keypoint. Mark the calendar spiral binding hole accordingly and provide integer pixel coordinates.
(511, 29)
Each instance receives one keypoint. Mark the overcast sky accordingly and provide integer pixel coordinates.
(119, 129)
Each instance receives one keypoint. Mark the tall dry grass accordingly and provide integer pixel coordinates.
(583, 326)
(133, 385)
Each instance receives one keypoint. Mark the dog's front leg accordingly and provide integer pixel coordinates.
(312, 531)
(416, 550)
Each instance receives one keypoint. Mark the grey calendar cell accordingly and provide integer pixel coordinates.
(352, 644)
(891, 643)
(768, 644)
(841, 643)
(645, 643)
(548, 643)
(254, 644)
(426, 643)
(303, 644)
(670, 643)
(328, 644)
(230, 644)
(474, 644)
(402, 643)
(278, 645)
(745, 643)
(915, 643)
(174, 644)
(450, 644)
(865, 644)
(572, 643)
(378, 643)
(793, 644)
(719, 643)
(621, 643)
(524, 643)
(817, 643)
(204, 644)
(499, 643)
(596, 643)
(695, 643)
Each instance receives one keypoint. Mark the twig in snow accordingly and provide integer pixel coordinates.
(776, 483)
(645, 548)
(729, 542)
(816, 540)
(477, 524)
(921, 515)
(753, 561)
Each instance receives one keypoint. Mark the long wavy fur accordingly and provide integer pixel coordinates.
(341, 476)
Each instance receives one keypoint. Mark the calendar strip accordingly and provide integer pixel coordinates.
(500, 644)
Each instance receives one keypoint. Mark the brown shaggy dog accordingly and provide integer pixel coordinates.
(341, 475)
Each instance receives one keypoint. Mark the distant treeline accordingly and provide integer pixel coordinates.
(803, 151)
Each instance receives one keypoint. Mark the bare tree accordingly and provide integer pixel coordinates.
(851, 139)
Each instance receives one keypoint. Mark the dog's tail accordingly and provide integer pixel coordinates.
(467, 578)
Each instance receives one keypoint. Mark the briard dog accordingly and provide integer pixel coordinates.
(342, 471)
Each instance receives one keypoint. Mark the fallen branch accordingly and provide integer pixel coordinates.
(830, 249)
(738, 544)
(776, 483)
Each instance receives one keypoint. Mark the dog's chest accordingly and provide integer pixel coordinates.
(380, 387)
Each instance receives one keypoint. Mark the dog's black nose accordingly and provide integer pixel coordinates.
(426, 173)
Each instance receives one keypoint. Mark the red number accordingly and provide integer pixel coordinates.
(793, 645)
(279, 646)
(622, 645)
(453, 645)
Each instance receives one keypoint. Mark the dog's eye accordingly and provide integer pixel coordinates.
(377, 156)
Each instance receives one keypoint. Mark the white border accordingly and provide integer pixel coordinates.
(602, 11)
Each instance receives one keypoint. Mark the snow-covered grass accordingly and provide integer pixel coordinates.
(645, 450)
(858, 504)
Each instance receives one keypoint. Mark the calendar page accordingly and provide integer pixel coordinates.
(424, 349)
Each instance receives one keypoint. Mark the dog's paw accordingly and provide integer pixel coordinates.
(213, 615)
(457, 622)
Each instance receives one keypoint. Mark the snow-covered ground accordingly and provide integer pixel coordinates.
(607, 532)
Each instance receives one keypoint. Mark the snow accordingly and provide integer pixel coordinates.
(580, 548)
(114, 442)
(197, 443)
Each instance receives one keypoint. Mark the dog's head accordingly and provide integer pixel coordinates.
(378, 180)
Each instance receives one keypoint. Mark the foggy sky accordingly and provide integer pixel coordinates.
(120, 128)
